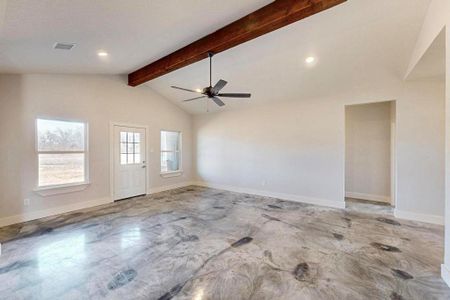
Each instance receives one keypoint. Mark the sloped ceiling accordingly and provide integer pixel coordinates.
(432, 63)
(356, 44)
(134, 32)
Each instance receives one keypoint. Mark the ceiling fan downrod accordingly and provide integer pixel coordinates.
(210, 55)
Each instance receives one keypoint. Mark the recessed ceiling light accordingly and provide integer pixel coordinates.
(102, 53)
(310, 59)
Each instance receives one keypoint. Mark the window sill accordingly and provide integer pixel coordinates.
(171, 174)
(61, 189)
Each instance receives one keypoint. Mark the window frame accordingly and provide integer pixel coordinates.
(180, 154)
(69, 187)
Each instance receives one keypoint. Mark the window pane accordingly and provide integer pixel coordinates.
(170, 141)
(137, 137)
(137, 148)
(56, 169)
(60, 135)
(123, 137)
(130, 159)
(123, 148)
(130, 148)
(137, 158)
(123, 159)
(130, 137)
(169, 161)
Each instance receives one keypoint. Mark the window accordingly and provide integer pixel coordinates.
(170, 151)
(62, 154)
(130, 148)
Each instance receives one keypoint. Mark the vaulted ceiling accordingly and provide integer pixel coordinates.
(357, 43)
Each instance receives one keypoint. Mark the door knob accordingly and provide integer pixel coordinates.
(144, 166)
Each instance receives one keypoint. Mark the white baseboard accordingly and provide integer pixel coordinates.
(289, 197)
(407, 215)
(445, 274)
(168, 187)
(28, 216)
(370, 197)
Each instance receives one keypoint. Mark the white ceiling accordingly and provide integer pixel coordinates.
(356, 44)
(134, 32)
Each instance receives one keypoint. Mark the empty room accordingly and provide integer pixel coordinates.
(205, 149)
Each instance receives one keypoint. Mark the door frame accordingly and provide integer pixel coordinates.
(111, 154)
(393, 147)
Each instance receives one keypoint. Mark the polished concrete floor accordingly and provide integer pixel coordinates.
(370, 207)
(198, 243)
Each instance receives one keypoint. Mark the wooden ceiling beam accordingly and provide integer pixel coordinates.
(264, 20)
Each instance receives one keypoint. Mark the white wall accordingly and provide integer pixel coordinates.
(368, 151)
(445, 268)
(436, 20)
(98, 100)
(287, 148)
(296, 149)
(421, 149)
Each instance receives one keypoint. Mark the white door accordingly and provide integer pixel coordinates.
(130, 173)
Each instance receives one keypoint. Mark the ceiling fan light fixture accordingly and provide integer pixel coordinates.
(212, 92)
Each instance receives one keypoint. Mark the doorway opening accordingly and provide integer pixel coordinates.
(370, 157)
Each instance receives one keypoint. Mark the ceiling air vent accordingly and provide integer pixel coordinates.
(63, 46)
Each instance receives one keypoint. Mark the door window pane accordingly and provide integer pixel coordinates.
(130, 159)
(130, 137)
(123, 148)
(123, 137)
(130, 147)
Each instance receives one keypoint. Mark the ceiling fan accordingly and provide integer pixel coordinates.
(213, 92)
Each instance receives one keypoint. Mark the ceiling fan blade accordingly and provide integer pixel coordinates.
(218, 101)
(194, 98)
(219, 85)
(235, 95)
(183, 89)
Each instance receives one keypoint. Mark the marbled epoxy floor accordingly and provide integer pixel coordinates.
(198, 243)
(370, 207)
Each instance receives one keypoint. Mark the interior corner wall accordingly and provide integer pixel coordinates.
(97, 100)
(368, 151)
(295, 149)
(446, 267)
